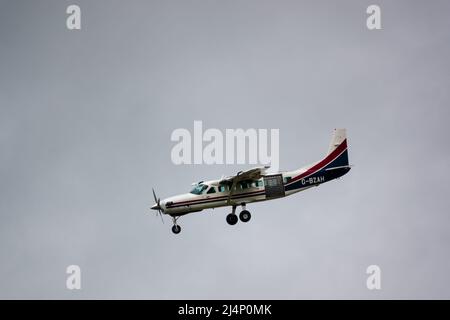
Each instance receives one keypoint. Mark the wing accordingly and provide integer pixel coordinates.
(251, 174)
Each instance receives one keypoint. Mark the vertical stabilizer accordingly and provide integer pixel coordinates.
(339, 135)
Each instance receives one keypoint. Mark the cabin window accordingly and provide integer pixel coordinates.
(199, 189)
(211, 190)
(223, 188)
(245, 185)
(259, 183)
(272, 181)
(287, 179)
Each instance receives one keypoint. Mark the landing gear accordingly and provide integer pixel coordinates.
(176, 228)
(245, 216)
(232, 218)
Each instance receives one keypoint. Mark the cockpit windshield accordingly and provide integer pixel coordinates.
(199, 189)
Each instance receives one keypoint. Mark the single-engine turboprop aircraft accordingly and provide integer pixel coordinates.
(256, 185)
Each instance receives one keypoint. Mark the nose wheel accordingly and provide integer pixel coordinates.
(175, 228)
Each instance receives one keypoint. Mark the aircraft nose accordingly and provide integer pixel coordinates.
(155, 207)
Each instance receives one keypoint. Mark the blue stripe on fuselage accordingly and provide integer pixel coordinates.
(323, 175)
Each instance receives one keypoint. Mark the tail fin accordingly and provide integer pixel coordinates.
(339, 141)
(339, 135)
(333, 166)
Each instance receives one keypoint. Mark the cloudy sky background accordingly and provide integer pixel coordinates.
(85, 124)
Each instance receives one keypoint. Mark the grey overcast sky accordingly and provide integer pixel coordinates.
(85, 124)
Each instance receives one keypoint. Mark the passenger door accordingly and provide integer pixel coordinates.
(274, 186)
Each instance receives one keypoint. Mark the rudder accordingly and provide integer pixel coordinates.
(339, 141)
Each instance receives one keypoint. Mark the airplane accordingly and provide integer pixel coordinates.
(255, 185)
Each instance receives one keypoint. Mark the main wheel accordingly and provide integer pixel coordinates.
(176, 229)
(245, 216)
(232, 219)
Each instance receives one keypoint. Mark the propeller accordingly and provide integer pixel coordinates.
(157, 206)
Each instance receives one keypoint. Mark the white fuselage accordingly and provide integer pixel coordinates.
(188, 202)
